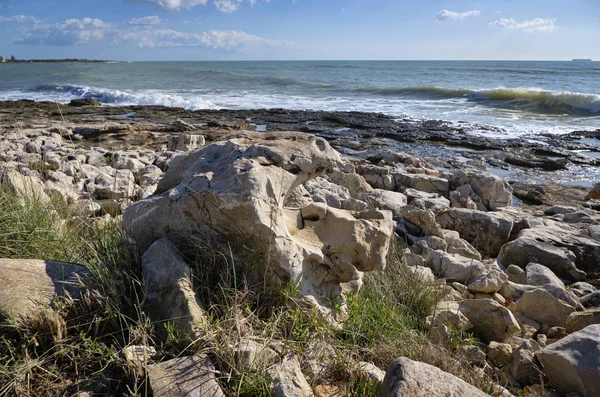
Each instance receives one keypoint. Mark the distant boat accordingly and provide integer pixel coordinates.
(581, 60)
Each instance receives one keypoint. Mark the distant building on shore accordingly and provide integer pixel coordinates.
(2, 59)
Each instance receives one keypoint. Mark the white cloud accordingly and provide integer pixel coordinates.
(446, 14)
(222, 5)
(69, 32)
(168, 38)
(19, 19)
(533, 25)
(175, 4)
(149, 20)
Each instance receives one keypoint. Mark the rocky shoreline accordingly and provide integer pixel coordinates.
(321, 195)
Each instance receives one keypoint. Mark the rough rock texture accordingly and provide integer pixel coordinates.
(499, 354)
(571, 364)
(556, 246)
(192, 376)
(405, 377)
(491, 321)
(493, 191)
(541, 306)
(288, 380)
(27, 283)
(579, 320)
(239, 188)
(169, 292)
(537, 274)
(486, 231)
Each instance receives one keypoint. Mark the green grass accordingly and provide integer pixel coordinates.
(76, 345)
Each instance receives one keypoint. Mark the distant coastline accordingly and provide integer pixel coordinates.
(55, 61)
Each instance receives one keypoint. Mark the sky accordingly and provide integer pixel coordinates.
(137, 30)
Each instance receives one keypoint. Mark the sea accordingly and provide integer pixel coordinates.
(517, 98)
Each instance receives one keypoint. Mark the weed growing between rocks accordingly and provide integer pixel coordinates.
(77, 345)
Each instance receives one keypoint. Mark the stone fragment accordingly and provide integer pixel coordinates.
(491, 321)
(405, 377)
(544, 308)
(27, 285)
(500, 354)
(288, 380)
(169, 293)
(192, 376)
(579, 320)
(571, 364)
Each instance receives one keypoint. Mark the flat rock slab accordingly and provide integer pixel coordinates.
(572, 364)
(25, 284)
(192, 376)
(406, 377)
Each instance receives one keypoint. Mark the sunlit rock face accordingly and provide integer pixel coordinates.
(240, 188)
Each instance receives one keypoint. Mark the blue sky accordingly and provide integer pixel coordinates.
(300, 29)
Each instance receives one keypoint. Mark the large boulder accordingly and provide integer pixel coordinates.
(571, 364)
(494, 192)
(541, 306)
(491, 321)
(169, 292)
(28, 284)
(239, 188)
(486, 231)
(405, 377)
(558, 246)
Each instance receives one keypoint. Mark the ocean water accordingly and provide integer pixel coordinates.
(518, 98)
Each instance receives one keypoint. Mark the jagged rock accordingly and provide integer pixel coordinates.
(192, 376)
(500, 354)
(239, 188)
(438, 334)
(516, 274)
(169, 292)
(251, 355)
(495, 192)
(183, 126)
(579, 320)
(558, 247)
(371, 371)
(288, 380)
(471, 354)
(124, 162)
(571, 364)
(591, 301)
(422, 273)
(26, 187)
(84, 102)
(29, 284)
(138, 356)
(491, 321)
(448, 312)
(62, 192)
(116, 184)
(335, 196)
(486, 231)
(582, 288)
(318, 357)
(539, 275)
(347, 177)
(542, 307)
(423, 219)
(186, 142)
(524, 368)
(427, 201)
(528, 326)
(387, 200)
(453, 267)
(406, 377)
(423, 182)
(488, 282)
(86, 207)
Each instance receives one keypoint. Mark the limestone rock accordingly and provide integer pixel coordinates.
(490, 320)
(494, 191)
(335, 196)
(192, 376)
(488, 282)
(448, 312)
(288, 380)
(486, 231)
(239, 188)
(539, 275)
(406, 377)
(579, 320)
(28, 284)
(422, 182)
(524, 368)
(516, 274)
(423, 219)
(500, 354)
(541, 306)
(371, 371)
(249, 355)
(169, 292)
(185, 142)
(27, 187)
(388, 200)
(582, 288)
(556, 246)
(571, 364)
(116, 184)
